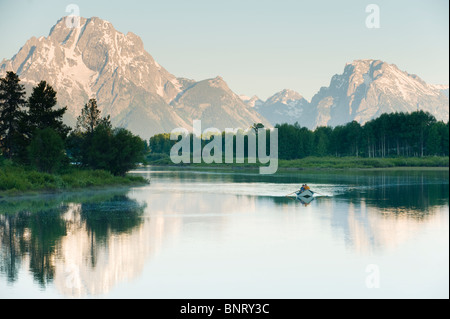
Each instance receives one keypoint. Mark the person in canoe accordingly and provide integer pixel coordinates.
(305, 187)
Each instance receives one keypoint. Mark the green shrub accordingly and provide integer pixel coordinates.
(46, 150)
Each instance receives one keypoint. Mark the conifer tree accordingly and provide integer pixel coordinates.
(42, 113)
(90, 118)
(12, 101)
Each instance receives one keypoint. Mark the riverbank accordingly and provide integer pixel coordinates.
(357, 162)
(17, 180)
(322, 163)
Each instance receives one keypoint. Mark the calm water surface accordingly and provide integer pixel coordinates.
(212, 234)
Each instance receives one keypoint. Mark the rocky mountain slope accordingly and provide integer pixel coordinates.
(94, 60)
(286, 106)
(365, 90)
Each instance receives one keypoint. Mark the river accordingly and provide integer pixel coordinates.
(233, 234)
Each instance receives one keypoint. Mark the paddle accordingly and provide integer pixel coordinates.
(291, 193)
(291, 198)
(320, 194)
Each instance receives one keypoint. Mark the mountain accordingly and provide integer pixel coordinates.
(213, 102)
(369, 88)
(365, 90)
(96, 61)
(286, 106)
(251, 101)
(442, 88)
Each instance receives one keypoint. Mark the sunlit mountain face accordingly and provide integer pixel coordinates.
(365, 90)
(94, 60)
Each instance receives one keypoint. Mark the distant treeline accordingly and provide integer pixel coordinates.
(414, 134)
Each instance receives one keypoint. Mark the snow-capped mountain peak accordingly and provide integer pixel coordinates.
(368, 88)
(94, 60)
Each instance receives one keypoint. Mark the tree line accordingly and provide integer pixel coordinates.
(162, 144)
(32, 133)
(414, 134)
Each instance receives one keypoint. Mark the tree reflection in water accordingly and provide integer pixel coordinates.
(34, 232)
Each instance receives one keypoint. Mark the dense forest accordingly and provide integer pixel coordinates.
(417, 134)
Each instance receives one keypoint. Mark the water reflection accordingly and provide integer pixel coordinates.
(393, 192)
(58, 238)
(87, 244)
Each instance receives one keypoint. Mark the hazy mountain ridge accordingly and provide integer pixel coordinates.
(286, 106)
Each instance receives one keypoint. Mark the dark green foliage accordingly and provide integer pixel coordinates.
(46, 150)
(433, 140)
(96, 145)
(390, 135)
(161, 144)
(322, 137)
(17, 179)
(41, 113)
(114, 150)
(97, 148)
(37, 137)
(127, 150)
(12, 100)
(90, 118)
(75, 146)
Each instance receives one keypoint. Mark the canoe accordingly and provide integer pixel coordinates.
(305, 197)
(305, 194)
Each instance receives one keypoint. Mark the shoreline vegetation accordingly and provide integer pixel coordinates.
(318, 163)
(39, 153)
(16, 180)
(394, 140)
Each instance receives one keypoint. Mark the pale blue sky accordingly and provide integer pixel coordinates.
(258, 46)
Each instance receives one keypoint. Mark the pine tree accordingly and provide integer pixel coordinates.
(41, 112)
(90, 118)
(12, 100)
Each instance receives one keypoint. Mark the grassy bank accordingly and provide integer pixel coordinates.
(355, 162)
(16, 180)
(322, 162)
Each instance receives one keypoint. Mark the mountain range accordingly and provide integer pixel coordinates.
(94, 60)
(365, 90)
